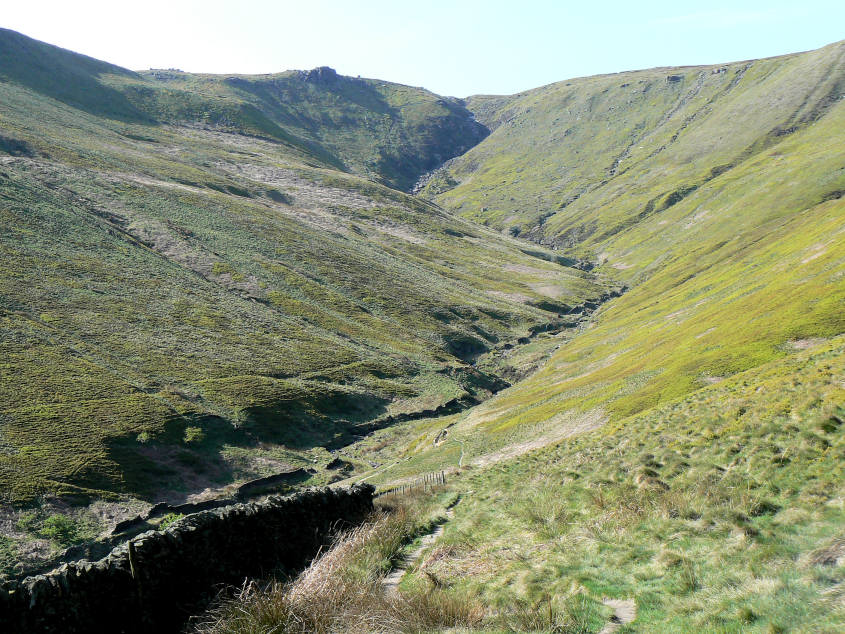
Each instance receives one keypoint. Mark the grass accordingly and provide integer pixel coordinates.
(573, 162)
(341, 591)
(200, 284)
(61, 529)
(180, 297)
(160, 276)
(733, 250)
(389, 132)
(718, 511)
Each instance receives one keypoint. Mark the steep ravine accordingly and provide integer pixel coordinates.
(569, 318)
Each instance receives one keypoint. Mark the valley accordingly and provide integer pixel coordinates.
(610, 310)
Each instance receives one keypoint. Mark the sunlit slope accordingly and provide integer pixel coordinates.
(723, 277)
(578, 162)
(684, 451)
(718, 511)
(735, 275)
(380, 129)
(158, 276)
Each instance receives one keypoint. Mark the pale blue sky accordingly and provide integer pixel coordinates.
(456, 48)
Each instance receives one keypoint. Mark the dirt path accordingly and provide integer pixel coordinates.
(569, 424)
(377, 470)
(624, 611)
(391, 582)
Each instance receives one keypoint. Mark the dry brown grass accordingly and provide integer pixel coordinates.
(341, 591)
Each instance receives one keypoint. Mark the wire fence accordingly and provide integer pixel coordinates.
(424, 483)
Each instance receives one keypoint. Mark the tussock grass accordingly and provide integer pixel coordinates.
(719, 511)
(341, 591)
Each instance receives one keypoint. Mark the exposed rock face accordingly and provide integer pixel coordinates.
(151, 583)
(323, 74)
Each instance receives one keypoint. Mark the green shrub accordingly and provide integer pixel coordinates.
(168, 519)
(29, 522)
(8, 555)
(194, 435)
(61, 529)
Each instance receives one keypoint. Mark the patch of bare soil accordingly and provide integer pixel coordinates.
(307, 193)
(624, 611)
(514, 297)
(403, 234)
(548, 290)
(532, 270)
(817, 250)
(805, 344)
(154, 182)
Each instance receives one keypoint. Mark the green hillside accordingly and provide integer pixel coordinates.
(577, 162)
(185, 303)
(724, 214)
(683, 450)
(720, 511)
(386, 131)
(381, 130)
(613, 312)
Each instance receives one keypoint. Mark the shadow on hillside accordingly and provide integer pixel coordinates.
(187, 456)
(65, 76)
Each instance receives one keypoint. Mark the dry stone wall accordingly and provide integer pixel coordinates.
(157, 580)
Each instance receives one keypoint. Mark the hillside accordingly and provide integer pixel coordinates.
(389, 132)
(720, 511)
(187, 302)
(384, 131)
(683, 450)
(612, 312)
(577, 162)
(723, 212)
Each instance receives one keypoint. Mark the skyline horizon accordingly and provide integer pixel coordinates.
(461, 50)
(394, 81)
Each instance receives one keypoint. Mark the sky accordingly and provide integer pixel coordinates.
(457, 47)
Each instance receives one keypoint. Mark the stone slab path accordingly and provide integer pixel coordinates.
(391, 582)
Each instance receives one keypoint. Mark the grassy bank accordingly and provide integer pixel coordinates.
(718, 512)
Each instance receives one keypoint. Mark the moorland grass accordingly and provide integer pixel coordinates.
(180, 269)
(718, 511)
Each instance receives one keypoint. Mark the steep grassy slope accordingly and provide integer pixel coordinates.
(683, 450)
(385, 131)
(720, 511)
(724, 276)
(577, 162)
(175, 294)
